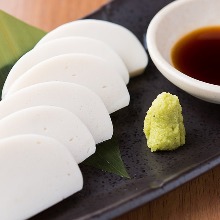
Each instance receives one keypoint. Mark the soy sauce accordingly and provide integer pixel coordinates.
(198, 55)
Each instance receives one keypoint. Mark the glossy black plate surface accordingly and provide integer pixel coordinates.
(152, 174)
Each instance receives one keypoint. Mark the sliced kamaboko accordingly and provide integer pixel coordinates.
(65, 46)
(54, 122)
(123, 41)
(76, 98)
(36, 172)
(87, 70)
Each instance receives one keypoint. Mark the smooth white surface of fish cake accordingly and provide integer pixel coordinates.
(87, 70)
(122, 40)
(76, 98)
(54, 122)
(36, 172)
(65, 46)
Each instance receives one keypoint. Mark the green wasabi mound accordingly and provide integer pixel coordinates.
(163, 124)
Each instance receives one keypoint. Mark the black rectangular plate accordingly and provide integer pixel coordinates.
(106, 195)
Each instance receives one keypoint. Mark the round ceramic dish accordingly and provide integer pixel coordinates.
(167, 27)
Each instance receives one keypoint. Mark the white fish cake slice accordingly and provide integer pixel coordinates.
(76, 98)
(54, 122)
(65, 46)
(36, 172)
(123, 41)
(87, 70)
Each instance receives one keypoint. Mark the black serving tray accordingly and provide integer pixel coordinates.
(106, 195)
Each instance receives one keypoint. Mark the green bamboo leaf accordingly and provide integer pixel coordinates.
(16, 38)
(107, 158)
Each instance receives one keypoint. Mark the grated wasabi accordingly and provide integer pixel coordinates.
(163, 124)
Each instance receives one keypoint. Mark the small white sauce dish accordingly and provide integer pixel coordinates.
(167, 27)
